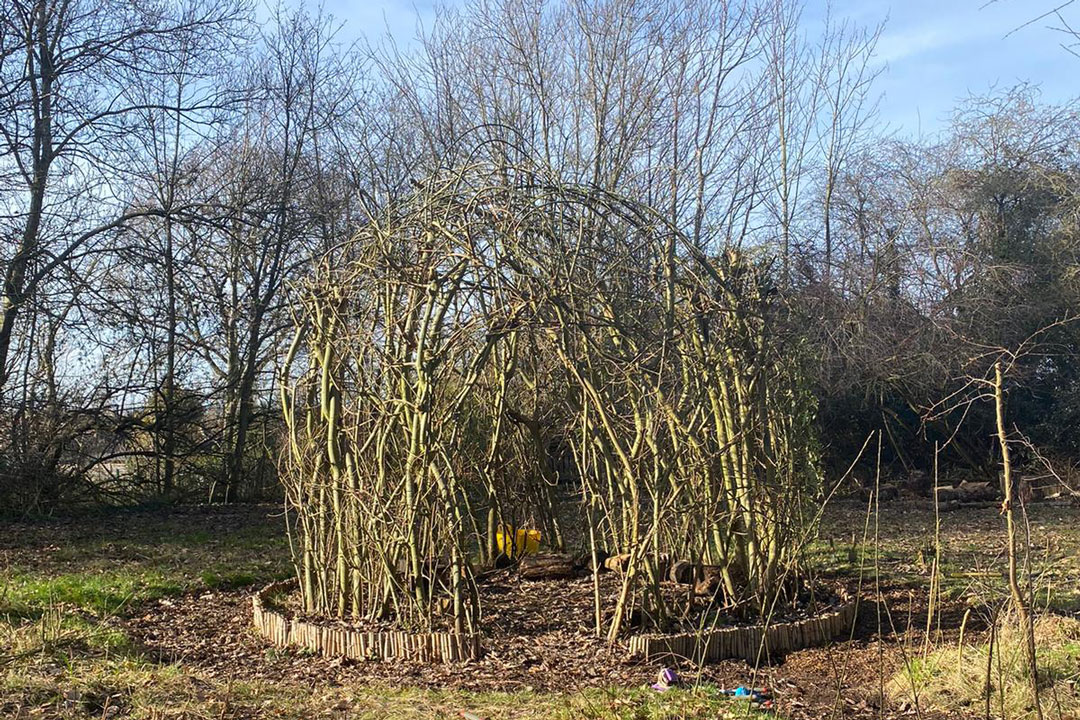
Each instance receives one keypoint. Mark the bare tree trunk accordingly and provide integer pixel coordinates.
(244, 410)
(1020, 602)
(169, 408)
(41, 79)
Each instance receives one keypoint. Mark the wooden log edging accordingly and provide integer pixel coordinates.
(354, 643)
(752, 643)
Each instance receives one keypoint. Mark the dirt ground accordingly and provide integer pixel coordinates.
(196, 622)
(210, 633)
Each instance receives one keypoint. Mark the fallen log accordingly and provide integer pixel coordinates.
(618, 563)
(682, 572)
(711, 578)
(966, 492)
(974, 491)
(946, 494)
(548, 566)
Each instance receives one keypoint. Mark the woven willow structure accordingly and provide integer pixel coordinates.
(496, 316)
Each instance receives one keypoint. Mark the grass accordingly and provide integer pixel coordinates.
(67, 586)
(136, 559)
(972, 549)
(227, 579)
(29, 595)
(137, 689)
(66, 589)
(957, 677)
(1064, 601)
(64, 653)
(56, 632)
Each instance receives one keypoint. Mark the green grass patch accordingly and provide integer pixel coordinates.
(1064, 600)
(957, 677)
(107, 593)
(226, 579)
(137, 689)
(60, 634)
(136, 560)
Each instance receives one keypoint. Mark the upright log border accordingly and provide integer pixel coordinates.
(354, 643)
(752, 644)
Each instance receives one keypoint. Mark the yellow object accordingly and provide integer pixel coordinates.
(525, 541)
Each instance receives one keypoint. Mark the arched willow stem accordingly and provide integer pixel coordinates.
(498, 332)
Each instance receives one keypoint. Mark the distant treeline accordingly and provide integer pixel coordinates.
(169, 169)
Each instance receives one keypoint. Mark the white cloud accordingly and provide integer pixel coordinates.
(901, 44)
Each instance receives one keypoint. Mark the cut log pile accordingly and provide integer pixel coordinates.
(988, 494)
(966, 493)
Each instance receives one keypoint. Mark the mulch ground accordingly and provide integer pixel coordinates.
(541, 633)
(544, 645)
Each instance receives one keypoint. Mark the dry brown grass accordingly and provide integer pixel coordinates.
(954, 677)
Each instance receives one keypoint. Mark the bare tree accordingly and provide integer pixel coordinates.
(66, 114)
(271, 194)
(69, 126)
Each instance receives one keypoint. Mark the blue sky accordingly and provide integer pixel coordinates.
(940, 51)
(936, 52)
